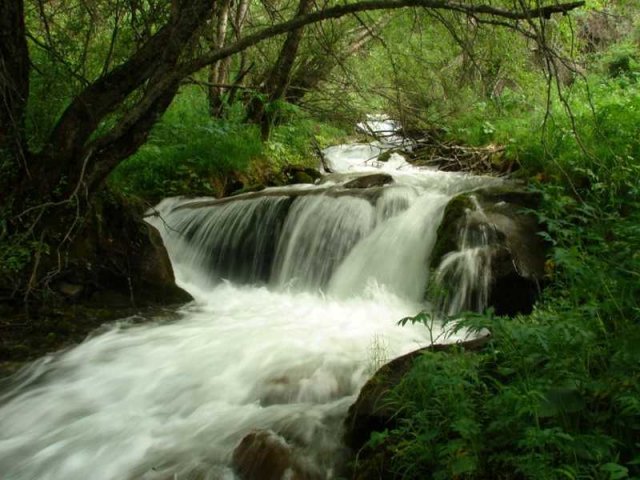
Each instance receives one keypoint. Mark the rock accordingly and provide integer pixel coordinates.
(385, 156)
(118, 260)
(264, 455)
(300, 174)
(372, 413)
(252, 188)
(368, 181)
(301, 177)
(517, 261)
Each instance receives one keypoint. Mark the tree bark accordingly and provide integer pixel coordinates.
(66, 150)
(278, 79)
(218, 70)
(14, 82)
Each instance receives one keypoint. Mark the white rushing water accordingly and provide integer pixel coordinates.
(297, 291)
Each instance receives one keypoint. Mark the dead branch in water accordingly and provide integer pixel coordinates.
(449, 156)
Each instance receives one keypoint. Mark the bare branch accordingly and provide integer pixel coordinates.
(342, 10)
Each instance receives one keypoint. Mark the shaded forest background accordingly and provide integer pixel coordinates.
(110, 105)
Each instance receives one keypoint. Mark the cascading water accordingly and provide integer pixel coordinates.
(297, 291)
(465, 274)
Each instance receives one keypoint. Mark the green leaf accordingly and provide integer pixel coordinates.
(615, 471)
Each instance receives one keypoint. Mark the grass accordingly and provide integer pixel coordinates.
(191, 153)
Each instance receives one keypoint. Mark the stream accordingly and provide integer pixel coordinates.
(297, 294)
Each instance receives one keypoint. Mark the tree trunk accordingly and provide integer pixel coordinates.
(278, 79)
(218, 70)
(14, 88)
(69, 146)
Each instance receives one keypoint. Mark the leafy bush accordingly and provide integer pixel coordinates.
(556, 394)
(189, 152)
(186, 150)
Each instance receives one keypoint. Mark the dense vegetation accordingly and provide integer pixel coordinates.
(556, 394)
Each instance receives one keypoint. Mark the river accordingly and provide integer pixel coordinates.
(297, 294)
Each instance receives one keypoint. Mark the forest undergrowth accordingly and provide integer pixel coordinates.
(556, 394)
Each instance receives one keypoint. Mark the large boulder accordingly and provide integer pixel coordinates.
(115, 265)
(118, 260)
(372, 411)
(518, 255)
(264, 455)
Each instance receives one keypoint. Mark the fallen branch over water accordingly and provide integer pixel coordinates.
(449, 156)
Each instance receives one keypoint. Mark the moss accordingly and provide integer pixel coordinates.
(515, 195)
(301, 177)
(385, 156)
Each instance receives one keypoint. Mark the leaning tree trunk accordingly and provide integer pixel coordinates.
(45, 199)
(82, 158)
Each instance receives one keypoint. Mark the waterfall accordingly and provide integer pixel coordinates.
(298, 291)
(327, 237)
(319, 232)
(465, 274)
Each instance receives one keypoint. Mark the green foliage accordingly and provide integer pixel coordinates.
(584, 137)
(554, 396)
(621, 60)
(186, 150)
(557, 393)
(292, 142)
(189, 152)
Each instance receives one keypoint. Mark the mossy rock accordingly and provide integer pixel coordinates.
(301, 177)
(510, 200)
(385, 156)
(516, 195)
(517, 261)
(296, 174)
(372, 412)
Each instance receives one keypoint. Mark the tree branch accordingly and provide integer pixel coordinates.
(368, 5)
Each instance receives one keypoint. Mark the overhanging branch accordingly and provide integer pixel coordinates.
(343, 10)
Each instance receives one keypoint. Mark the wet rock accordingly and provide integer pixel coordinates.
(371, 413)
(517, 259)
(264, 455)
(368, 181)
(252, 188)
(295, 174)
(386, 155)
